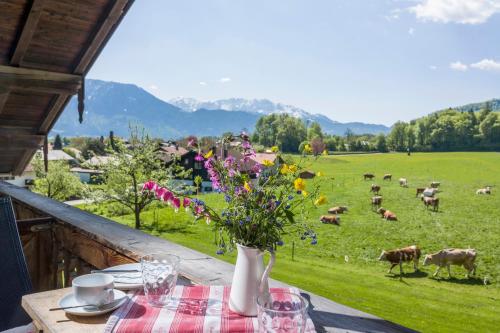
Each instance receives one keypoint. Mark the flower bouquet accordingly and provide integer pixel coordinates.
(263, 198)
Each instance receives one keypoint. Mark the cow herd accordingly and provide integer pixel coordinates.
(428, 196)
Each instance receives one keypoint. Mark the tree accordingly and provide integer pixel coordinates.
(59, 182)
(112, 142)
(381, 143)
(314, 131)
(397, 137)
(280, 130)
(318, 146)
(128, 168)
(92, 147)
(58, 143)
(490, 128)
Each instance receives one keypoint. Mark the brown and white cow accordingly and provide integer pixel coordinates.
(376, 201)
(447, 257)
(387, 176)
(368, 176)
(338, 210)
(398, 256)
(375, 188)
(387, 214)
(429, 192)
(330, 219)
(420, 190)
(430, 201)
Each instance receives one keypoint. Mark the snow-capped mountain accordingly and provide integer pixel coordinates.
(261, 106)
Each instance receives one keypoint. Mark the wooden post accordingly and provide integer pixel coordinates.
(46, 153)
(81, 99)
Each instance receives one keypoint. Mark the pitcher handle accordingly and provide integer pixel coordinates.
(267, 271)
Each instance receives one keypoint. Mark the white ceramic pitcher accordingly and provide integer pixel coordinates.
(250, 280)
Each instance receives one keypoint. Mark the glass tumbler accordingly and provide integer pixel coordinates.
(282, 312)
(159, 275)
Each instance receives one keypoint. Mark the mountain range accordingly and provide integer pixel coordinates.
(113, 106)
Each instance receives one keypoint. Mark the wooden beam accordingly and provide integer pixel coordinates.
(38, 80)
(55, 109)
(23, 161)
(103, 33)
(10, 139)
(4, 96)
(28, 32)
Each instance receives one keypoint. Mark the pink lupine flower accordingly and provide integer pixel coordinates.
(160, 192)
(186, 202)
(176, 202)
(198, 158)
(168, 196)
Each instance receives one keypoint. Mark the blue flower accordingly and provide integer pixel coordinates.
(299, 192)
(227, 197)
(220, 251)
(277, 202)
(248, 218)
(314, 241)
(242, 222)
(287, 207)
(228, 222)
(290, 197)
(280, 243)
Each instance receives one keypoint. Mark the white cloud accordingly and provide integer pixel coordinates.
(153, 87)
(411, 31)
(487, 65)
(394, 15)
(456, 11)
(203, 83)
(225, 80)
(433, 67)
(458, 66)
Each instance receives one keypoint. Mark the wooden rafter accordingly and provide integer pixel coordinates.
(11, 139)
(27, 33)
(38, 80)
(101, 35)
(56, 106)
(4, 96)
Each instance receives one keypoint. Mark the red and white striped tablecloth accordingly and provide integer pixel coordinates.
(193, 309)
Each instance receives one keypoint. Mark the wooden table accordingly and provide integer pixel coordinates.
(37, 306)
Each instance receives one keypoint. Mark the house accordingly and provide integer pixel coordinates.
(88, 176)
(25, 180)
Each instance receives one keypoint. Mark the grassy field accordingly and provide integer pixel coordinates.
(418, 301)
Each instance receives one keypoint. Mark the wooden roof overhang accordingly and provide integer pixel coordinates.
(46, 49)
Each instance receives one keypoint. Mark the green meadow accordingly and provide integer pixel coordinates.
(343, 266)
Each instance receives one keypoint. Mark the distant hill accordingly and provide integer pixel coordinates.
(112, 106)
(494, 104)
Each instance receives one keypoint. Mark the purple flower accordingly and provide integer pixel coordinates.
(192, 142)
(198, 158)
(186, 202)
(229, 162)
(280, 243)
(257, 169)
(227, 198)
(314, 241)
(220, 252)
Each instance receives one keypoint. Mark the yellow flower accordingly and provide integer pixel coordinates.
(275, 149)
(209, 154)
(325, 152)
(307, 148)
(267, 163)
(319, 174)
(247, 187)
(305, 194)
(320, 201)
(299, 184)
(292, 168)
(284, 169)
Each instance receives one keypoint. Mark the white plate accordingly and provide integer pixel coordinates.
(69, 300)
(127, 281)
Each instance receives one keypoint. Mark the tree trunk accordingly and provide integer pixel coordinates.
(137, 214)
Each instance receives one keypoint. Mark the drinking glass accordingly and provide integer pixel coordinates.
(281, 312)
(159, 274)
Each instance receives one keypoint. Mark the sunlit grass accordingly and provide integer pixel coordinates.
(419, 302)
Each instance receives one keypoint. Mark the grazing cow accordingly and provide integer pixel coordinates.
(337, 210)
(330, 219)
(435, 184)
(387, 214)
(368, 176)
(403, 182)
(447, 257)
(387, 176)
(376, 202)
(397, 257)
(486, 190)
(431, 201)
(429, 192)
(375, 189)
(420, 190)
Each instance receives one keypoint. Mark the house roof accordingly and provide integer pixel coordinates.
(170, 151)
(58, 155)
(99, 160)
(46, 48)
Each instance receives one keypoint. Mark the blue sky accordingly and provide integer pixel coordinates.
(353, 60)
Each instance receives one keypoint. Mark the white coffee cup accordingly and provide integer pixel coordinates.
(95, 289)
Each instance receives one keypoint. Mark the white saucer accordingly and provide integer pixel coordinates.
(69, 300)
(127, 281)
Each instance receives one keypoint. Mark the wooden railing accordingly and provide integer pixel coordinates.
(61, 241)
